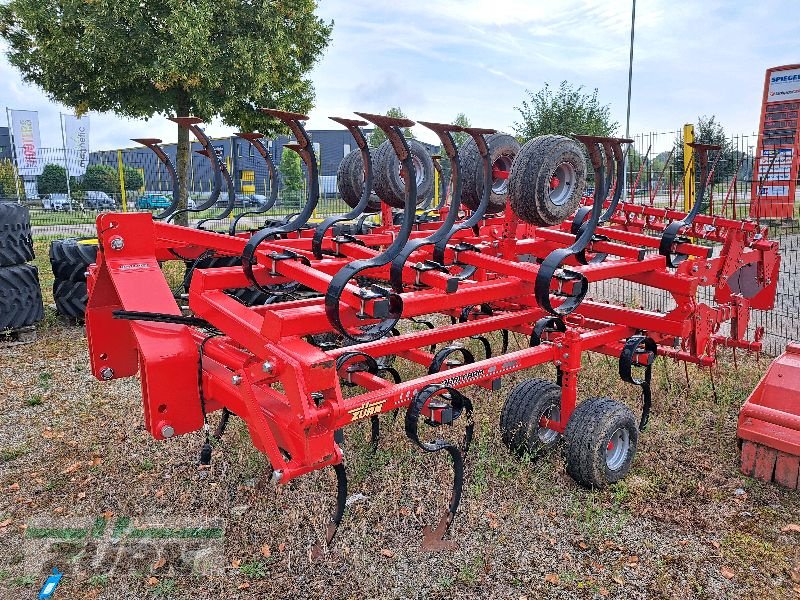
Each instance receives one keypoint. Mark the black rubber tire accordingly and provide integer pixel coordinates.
(71, 298)
(522, 410)
(502, 148)
(16, 243)
(20, 297)
(350, 182)
(70, 259)
(388, 183)
(248, 296)
(587, 436)
(529, 184)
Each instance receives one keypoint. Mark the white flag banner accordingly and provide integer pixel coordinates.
(25, 129)
(76, 144)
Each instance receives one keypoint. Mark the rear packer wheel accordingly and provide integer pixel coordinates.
(503, 149)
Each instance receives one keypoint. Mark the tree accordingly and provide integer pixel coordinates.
(377, 137)
(102, 178)
(133, 178)
(292, 178)
(460, 136)
(137, 58)
(565, 111)
(710, 131)
(53, 180)
(8, 185)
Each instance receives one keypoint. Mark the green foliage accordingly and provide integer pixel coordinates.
(565, 111)
(255, 569)
(8, 187)
(133, 178)
(709, 131)
(138, 58)
(463, 121)
(53, 180)
(101, 178)
(377, 137)
(291, 171)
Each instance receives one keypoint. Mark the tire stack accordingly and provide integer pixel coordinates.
(70, 259)
(20, 293)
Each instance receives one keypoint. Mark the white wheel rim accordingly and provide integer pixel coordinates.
(617, 449)
(418, 170)
(545, 434)
(500, 186)
(566, 176)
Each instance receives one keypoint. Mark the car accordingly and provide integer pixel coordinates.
(257, 200)
(151, 201)
(97, 200)
(56, 202)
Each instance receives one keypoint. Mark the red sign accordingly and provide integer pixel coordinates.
(776, 162)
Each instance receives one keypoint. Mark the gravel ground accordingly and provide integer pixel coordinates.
(683, 524)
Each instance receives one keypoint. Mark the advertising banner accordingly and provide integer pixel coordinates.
(784, 85)
(76, 144)
(25, 130)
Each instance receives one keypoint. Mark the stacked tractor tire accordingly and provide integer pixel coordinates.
(70, 260)
(20, 294)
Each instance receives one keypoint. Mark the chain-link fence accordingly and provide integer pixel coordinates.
(136, 180)
(656, 176)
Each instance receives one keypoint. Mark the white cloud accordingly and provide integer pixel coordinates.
(436, 59)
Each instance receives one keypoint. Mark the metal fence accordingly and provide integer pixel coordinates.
(67, 207)
(655, 175)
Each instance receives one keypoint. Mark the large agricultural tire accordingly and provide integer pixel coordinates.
(70, 298)
(16, 243)
(387, 181)
(601, 439)
(503, 149)
(350, 182)
(522, 411)
(547, 180)
(71, 258)
(20, 297)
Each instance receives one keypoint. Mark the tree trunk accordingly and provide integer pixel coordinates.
(182, 161)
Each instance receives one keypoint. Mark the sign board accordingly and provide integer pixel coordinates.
(25, 132)
(776, 162)
(76, 144)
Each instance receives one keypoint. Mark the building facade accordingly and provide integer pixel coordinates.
(248, 169)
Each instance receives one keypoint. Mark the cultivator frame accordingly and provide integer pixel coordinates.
(485, 273)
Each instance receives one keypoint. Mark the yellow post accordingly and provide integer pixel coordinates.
(688, 167)
(436, 187)
(121, 171)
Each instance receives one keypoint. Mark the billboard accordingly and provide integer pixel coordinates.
(76, 144)
(25, 132)
(776, 161)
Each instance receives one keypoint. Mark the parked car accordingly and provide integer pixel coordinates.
(152, 201)
(96, 200)
(56, 202)
(258, 200)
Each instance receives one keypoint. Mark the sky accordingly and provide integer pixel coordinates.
(436, 58)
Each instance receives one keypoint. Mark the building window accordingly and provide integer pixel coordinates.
(250, 150)
(346, 150)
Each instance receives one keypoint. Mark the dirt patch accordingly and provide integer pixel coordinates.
(77, 465)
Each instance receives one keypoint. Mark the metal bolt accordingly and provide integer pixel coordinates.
(267, 367)
(566, 355)
(558, 363)
(117, 243)
(236, 379)
(559, 345)
(167, 431)
(107, 373)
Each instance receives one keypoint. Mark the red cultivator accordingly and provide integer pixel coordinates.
(344, 298)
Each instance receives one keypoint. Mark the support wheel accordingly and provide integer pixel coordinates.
(388, 181)
(601, 439)
(547, 180)
(350, 182)
(523, 410)
(503, 149)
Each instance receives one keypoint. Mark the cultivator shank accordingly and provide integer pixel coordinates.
(416, 291)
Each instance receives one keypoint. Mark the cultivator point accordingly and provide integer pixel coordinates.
(769, 423)
(278, 318)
